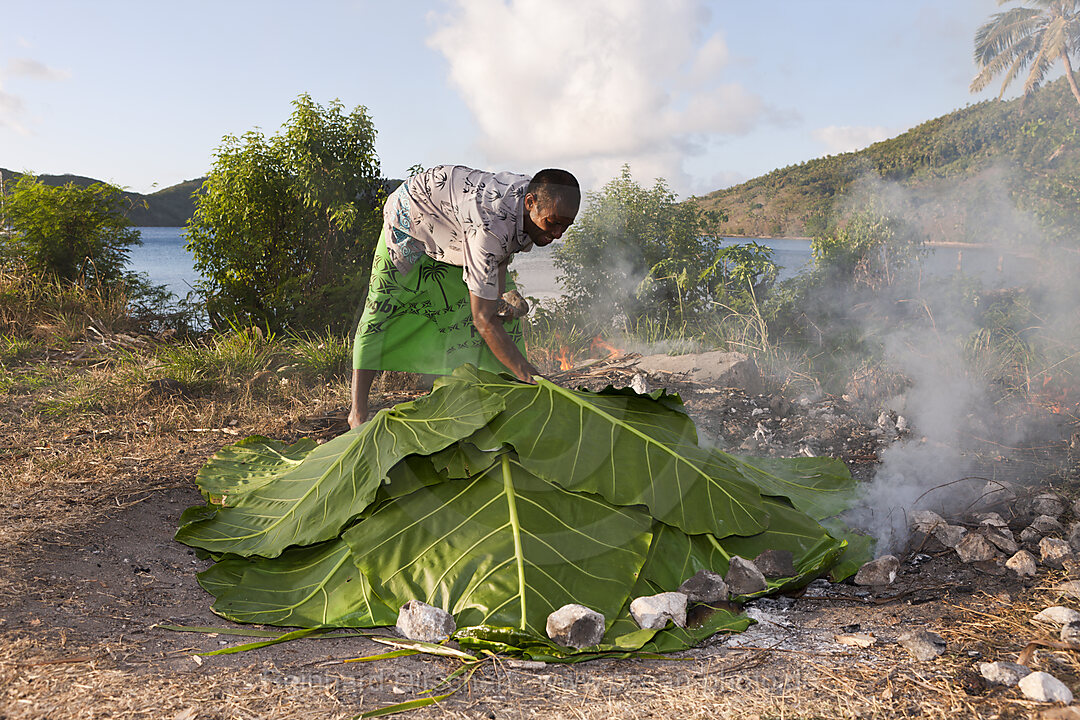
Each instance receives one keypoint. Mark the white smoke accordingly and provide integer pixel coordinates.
(594, 85)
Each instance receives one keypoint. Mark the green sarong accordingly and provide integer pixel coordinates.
(421, 322)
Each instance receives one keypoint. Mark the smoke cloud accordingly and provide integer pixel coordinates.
(958, 404)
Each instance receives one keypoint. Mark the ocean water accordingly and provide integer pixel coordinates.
(166, 261)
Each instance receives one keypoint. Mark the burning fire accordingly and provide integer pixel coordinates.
(598, 343)
(564, 358)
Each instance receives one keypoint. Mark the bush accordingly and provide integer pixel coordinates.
(285, 227)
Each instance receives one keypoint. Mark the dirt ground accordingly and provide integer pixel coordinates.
(89, 571)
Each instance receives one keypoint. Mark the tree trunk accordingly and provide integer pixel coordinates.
(1069, 74)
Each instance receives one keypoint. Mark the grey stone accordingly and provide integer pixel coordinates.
(1070, 632)
(717, 368)
(1048, 503)
(1001, 538)
(1070, 588)
(924, 543)
(1076, 507)
(743, 577)
(926, 520)
(922, 644)
(992, 519)
(1046, 524)
(1003, 673)
(975, 548)
(997, 492)
(705, 587)
(1044, 687)
(575, 626)
(1057, 615)
(881, 571)
(1030, 536)
(1074, 536)
(1054, 552)
(419, 621)
(652, 612)
(949, 535)
(1023, 564)
(776, 563)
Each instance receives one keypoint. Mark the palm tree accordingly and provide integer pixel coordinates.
(1037, 36)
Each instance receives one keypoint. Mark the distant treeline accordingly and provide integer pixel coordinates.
(962, 177)
(170, 207)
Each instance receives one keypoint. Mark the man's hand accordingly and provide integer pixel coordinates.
(489, 325)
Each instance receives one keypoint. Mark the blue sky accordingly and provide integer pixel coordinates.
(701, 93)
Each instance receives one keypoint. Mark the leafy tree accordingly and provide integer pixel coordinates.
(69, 232)
(636, 251)
(285, 227)
(1028, 37)
(872, 249)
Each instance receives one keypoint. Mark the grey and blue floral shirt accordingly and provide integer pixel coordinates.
(457, 215)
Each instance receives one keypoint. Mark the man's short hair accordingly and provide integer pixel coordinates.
(553, 183)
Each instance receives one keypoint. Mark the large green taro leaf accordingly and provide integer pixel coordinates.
(819, 486)
(314, 500)
(311, 586)
(676, 556)
(504, 547)
(629, 449)
(249, 464)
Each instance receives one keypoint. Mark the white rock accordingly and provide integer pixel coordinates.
(1057, 615)
(1070, 633)
(881, 571)
(992, 519)
(949, 535)
(926, 520)
(923, 644)
(1044, 687)
(1046, 524)
(743, 577)
(1054, 552)
(652, 612)
(575, 626)
(975, 548)
(1023, 564)
(1001, 538)
(1003, 673)
(1070, 588)
(639, 384)
(419, 621)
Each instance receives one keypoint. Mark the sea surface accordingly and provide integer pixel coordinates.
(166, 261)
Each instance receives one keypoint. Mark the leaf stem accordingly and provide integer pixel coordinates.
(716, 544)
(519, 556)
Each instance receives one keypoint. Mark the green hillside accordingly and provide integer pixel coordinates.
(169, 207)
(959, 177)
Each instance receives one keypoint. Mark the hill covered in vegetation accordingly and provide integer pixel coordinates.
(998, 171)
(168, 207)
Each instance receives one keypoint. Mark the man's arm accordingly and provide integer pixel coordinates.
(491, 329)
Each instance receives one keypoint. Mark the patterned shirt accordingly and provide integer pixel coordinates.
(457, 215)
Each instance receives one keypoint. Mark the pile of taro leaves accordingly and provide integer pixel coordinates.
(500, 502)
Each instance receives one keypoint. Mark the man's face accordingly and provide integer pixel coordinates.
(548, 221)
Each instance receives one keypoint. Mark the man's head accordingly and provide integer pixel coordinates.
(551, 204)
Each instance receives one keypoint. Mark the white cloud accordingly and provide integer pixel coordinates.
(846, 138)
(12, 107)
(26, 67)
(592, 85)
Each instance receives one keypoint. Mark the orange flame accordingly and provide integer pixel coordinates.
(598, 343)
(564, 358)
